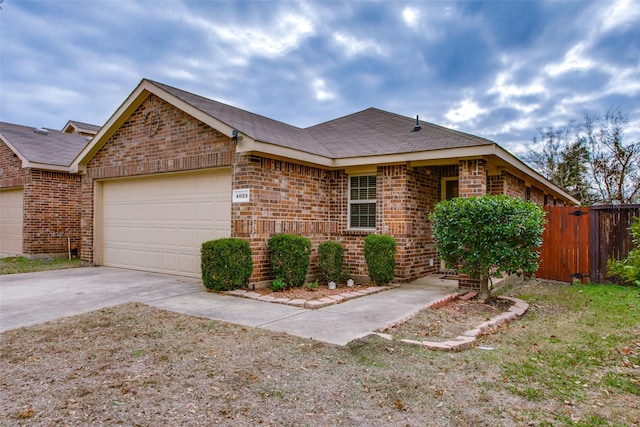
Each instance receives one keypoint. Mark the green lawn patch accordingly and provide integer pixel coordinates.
(13, 265)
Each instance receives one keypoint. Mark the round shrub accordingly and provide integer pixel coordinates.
(290, 256)
(330, 258)
(226, 264)
(380, 255)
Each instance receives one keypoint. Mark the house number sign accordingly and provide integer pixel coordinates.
(241, 196)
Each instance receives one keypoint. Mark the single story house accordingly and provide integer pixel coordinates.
(39, 199)
(171, 169)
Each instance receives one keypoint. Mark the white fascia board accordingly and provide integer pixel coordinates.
(249, 145)
(46, 167)
(415, 158)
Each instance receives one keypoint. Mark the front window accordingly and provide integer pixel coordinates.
(362, 202)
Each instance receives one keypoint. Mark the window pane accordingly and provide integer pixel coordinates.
(363, 215)
(363, 187)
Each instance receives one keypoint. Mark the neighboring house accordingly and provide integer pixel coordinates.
(80, 128)
(39, 199)
(159, 176)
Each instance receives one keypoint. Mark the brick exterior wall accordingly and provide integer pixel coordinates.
(51, 212)
(285, 198)
(513, 186)
(181, 143)
(472, 178)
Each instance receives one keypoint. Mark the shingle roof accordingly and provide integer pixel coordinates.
(84, 126)
(377, 132)
(254, 125)
(53, 148)
(366, 133)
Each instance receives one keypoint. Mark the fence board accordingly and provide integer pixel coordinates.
(610, 236)
(565, 249)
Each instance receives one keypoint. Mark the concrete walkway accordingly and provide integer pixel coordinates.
(31, 298)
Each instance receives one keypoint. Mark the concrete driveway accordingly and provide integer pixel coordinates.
(31, 298)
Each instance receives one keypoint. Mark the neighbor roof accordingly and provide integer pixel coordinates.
(80, 127)
(42, 148)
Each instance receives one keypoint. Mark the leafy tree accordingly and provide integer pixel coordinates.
(614, 166)
(589, 159)
(488, 234)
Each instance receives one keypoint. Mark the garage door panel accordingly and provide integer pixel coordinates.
(11, 223)
(167, 218)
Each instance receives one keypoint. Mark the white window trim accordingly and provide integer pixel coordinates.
(360, 202)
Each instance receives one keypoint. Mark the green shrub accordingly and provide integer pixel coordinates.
(380, 255)
(278, 285)
(226, 264)
(477, 234)
(330, 258)
(629, 269)
(312, 286)
(290, 256)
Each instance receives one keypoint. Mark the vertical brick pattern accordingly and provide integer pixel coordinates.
(181, 143)
(52, 212)
(285, 198)
(472, 178)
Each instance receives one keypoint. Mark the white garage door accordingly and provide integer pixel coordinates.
(11, 221)
(159, 223)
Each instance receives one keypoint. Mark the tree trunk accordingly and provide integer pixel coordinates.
(485, 293)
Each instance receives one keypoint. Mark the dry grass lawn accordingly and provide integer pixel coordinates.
(573, 359)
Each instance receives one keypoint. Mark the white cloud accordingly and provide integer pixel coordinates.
(321, 93)
(410, 16)
(466, 110)
(507, 91)
(621, 14)
(574, 59)
(353, 46)
(286, 34)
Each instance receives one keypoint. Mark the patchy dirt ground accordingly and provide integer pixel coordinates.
(139, 366)
(449, 321)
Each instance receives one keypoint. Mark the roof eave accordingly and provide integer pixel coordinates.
(45, 166)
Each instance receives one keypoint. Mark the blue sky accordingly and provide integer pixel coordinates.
(496, 69)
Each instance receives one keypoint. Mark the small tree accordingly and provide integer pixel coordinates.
(480, 234)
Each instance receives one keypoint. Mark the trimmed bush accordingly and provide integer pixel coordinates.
(290, 256)
(380, 255)
(226, 264)
(330, 258)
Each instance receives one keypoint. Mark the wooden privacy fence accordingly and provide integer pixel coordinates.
(578, 241)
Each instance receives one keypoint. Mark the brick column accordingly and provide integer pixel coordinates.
(472, 177)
